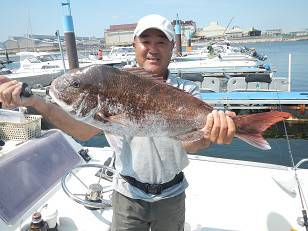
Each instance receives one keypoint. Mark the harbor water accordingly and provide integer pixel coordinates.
(278, 58)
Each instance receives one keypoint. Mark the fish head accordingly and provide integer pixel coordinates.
(77, 92)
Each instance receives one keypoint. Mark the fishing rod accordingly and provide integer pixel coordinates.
(304, 222)
(27, 91)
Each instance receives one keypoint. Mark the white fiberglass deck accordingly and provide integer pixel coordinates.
(223, 195)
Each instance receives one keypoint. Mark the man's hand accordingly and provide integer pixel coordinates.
(219, 127)
(10, 94)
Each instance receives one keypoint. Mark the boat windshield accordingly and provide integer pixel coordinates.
(27, 173)
(56, 56)
(45, 58)
(121, 51)
(33, 59)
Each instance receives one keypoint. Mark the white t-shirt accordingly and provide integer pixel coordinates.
(153, 160)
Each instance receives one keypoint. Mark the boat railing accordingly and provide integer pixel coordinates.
(300, 163)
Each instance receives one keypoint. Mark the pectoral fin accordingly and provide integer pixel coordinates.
(100, 116)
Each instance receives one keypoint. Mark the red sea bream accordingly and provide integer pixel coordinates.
(134, 103)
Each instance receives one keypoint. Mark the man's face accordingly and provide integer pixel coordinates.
(153, 51)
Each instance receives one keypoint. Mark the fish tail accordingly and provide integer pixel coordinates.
(250, 127)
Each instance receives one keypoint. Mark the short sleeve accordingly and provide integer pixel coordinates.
(186, 85)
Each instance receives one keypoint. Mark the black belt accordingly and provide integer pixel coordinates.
(155, 189)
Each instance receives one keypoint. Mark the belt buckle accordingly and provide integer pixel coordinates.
(155, 189)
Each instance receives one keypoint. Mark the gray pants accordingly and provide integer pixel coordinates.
(139, 215)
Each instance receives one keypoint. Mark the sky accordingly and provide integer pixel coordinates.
(93, 17)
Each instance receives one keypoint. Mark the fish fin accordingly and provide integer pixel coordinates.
(101, 117)
(109, 118)
(249, 128)
(255, 140)
(191, 136)
(139, 71)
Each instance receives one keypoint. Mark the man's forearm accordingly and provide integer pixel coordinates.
(195, 146)
(62, 120)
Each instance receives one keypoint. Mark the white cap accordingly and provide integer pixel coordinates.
(157, 22)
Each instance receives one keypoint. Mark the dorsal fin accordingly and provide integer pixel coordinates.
(139, 71)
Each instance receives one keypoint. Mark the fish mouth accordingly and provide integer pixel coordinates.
(56, 96)
(53, 92)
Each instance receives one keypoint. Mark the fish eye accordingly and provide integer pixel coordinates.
(76, 84)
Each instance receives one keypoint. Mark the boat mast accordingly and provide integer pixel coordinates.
(30, 34)
(61, 50)
(178, 40)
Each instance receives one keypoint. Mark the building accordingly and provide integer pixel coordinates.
(46, 43)
(122, 35)
(272, 33)
(213, 30)
(235, 32)
(17, 44)
(11, 44)
(299, 33)
(188, 28)
(254, 32)
(118, 35)
(2, 51)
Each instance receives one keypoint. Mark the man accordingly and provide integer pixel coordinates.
(149, 189)
(100, 54)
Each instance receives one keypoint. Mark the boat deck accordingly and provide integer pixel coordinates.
(223, 195)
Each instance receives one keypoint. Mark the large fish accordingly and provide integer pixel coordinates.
(133, 103)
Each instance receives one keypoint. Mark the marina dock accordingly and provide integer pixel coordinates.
(295, 102)
(260, 98)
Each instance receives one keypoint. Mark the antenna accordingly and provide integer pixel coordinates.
(30, 33)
